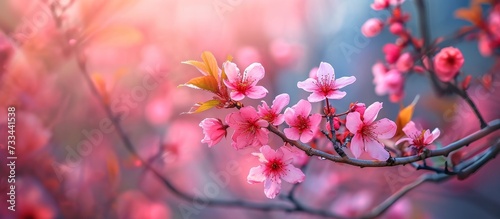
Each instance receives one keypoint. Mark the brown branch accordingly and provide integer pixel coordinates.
(492, 126)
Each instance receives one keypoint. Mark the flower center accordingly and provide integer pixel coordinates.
(303, 123)
(275, 166)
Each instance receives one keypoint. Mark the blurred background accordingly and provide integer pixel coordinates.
(72, 163)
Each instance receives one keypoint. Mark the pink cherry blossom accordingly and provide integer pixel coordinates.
(392, 52)
(372, 27)
(276, 165)
(405, 62)
(418, 138)
(250, 129)
(367, 131)
(272, 114)
(397, 28)
(214, 131)
(388, 82)
(448, 63)
(380, 4)
(302, 125)
(359, 107)
(244, 84)
(325, 86)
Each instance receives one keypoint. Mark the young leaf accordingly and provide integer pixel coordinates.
(404, 116)
(211, 63)
(200, 107)
(207, 83)
(201, 66)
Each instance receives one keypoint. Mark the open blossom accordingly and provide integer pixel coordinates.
(214, 130)
(418, 138)
(302, 125)
(272, 114)
(447, 63)
(367, 131)
(372, 27)
(325, 86)
(276, 165)
(250, 129)
(244, 84)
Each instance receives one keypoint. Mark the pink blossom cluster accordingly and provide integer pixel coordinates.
(251, 126)
(489, 36)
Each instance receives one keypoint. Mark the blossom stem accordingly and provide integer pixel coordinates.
(333, 138)
(465, 96)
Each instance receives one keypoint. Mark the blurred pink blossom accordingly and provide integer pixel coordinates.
(372, 27)
(448, 63)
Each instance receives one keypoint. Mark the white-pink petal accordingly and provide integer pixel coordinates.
(280, 102)
(344, 81)
(256, 175)
(253, 73)
(325, 71)
(315, 97)
(336, 95)
(256, 92)
(410, 129)
(292, 133)
(268, 152)
(384, 128)
(376, 149)
(309, 85)
(371, 112)
(293, 174)
(353, 122)
(272, 187)
(357, 145)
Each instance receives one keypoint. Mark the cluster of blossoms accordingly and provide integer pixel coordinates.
(489, 37)
(251, 126)
(389, 76)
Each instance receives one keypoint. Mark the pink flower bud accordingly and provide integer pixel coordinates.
(405, 62)
(392, 52)
(359, 107)
(397, 28)
(448, 63)
(379, 4)
(372, 27)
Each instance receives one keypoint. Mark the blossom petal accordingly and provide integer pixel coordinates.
(403, 140)
(384, 128)
(293, 174)
(309, 85)
(272, 187)
(325, 71)
(267, 152)
(302, 108)
(410, 129)
(344, 81)
(292, 133)
(353, 122)
(290, 116)
(256, 92)
(306, 136)
(336, 95)
(279, 120)
(433, 136)
(232, 72)
(280, 102)
(371, 112)
(256, 174)
(357, 145)
(254, 72)
(316, 97)
(236, 95)
(376, 150)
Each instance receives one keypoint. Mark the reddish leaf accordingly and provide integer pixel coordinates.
(211, 63)
(472, 14)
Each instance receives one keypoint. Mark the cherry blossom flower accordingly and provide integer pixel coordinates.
(276, 165)
(214, 131)
(447, 63)
(380, 5)
(302, 125)
(372, 27)
(325, 86)
(367, 131)
(397, 28)
(272, 114)
(418, 138)
(250, 129)
(244, 84)
(388, 82)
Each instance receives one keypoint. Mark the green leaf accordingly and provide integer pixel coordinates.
(200, 107)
